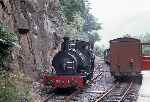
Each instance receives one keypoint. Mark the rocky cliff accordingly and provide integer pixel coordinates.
(39, 25)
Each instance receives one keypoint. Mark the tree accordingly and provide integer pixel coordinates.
(91, 27)
(71, 8)
(73, 11)
(79, 22)
(91, 23)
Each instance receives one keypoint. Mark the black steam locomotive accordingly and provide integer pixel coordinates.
(74, 64)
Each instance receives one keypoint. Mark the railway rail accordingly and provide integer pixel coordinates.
(116, 93)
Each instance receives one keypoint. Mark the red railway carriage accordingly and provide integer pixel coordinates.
(146, 62)
(126, 57)
(146, 58)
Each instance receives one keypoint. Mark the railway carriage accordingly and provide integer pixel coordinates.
(125, 57)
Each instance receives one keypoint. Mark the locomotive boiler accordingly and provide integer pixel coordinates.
(73, 65)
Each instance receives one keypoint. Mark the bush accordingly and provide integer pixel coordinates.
(14, 87)
(11, 88)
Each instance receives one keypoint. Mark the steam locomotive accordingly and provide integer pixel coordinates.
(73, 65)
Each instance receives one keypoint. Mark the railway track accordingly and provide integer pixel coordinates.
(116, 93)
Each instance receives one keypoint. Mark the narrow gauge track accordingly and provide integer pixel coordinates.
(116, 93)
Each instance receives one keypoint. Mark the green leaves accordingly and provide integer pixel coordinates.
(71, 8)
(14, 87)
(74, 28)
(7, 36)
(7, 41)
(78, 20)
(91, 27)
(91, 23)
(8, 90)
(73, 11)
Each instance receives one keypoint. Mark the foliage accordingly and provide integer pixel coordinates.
(14, 87)
(73, 11)
(78, 20)
(7, 36)
(74, 28)
(91, 23)
(91, 27)
(10, 90)
(7, 41)
(71, 8)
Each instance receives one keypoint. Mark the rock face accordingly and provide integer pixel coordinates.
(39, 26)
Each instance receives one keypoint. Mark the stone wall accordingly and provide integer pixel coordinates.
(39, 25)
